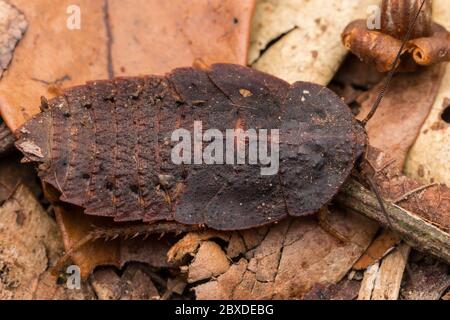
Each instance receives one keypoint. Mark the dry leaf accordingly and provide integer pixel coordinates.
(134, 284)
(210, 261)
(430, 202)
(397, 122)
(426, 280)
(429, 159)
(344, 290)
(30, 244)
(292, 257)
(6, 138)
(299, 40)
(379, 248)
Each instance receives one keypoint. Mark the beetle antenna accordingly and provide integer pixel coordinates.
(393, 68)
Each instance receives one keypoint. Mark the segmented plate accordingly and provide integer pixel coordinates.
(106, 146)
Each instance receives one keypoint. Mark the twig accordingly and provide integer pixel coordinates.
(410, 193)
(390, 274)
(414, 230)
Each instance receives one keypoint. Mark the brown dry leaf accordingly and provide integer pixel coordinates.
(161, 35)
(410, 96)
(397, 122)
(75, 225)
(134, 284)
(210, 261)
(290, 259)
(81, 56)
(429, 159)
(180, 32)
(426, 280)
(430, 202)
(344, 290)
(190, 243)
(299, 40)
(30, 243)
(381, 246)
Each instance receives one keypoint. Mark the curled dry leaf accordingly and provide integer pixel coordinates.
(299, 40)
(190, 244)
(210, 261)
(429, 42)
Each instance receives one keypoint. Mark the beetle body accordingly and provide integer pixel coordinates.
(107, 146)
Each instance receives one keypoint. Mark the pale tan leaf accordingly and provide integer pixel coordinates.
(310, 46)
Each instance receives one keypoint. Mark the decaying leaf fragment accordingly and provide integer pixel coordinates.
(379, 248)
(6, 138)
(427, 279)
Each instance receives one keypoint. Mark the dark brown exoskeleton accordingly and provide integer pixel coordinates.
(106, 147)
